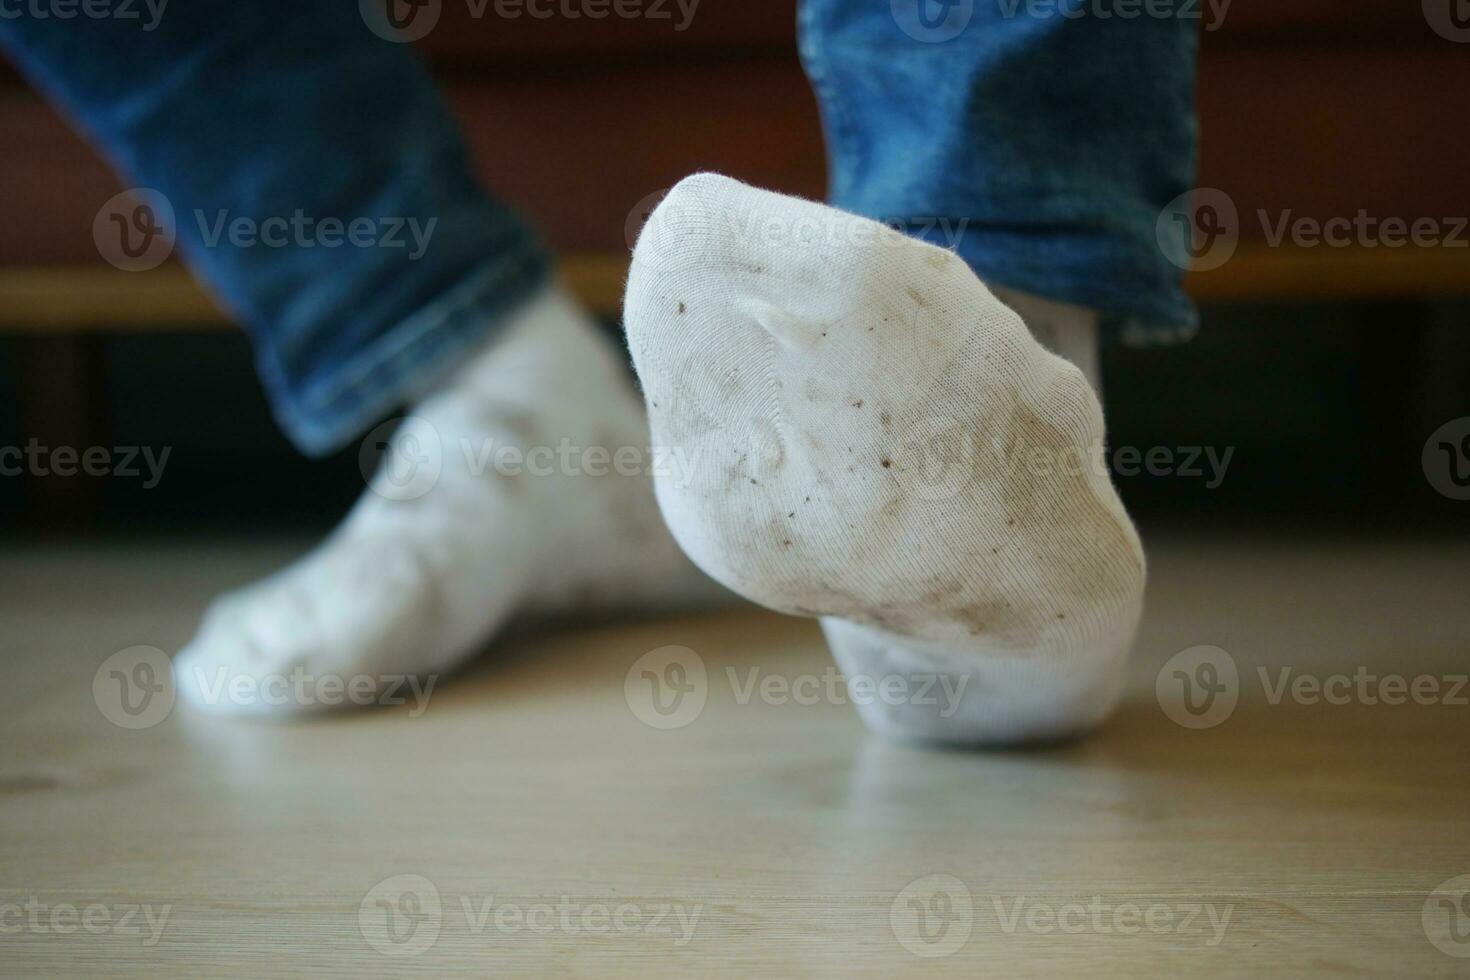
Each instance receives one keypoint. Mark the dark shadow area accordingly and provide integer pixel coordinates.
(1290, 416)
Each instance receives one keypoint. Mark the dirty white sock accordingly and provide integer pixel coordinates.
(523, 483)
(878, 441)
(1065, 329)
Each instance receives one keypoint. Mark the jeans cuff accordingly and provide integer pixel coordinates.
(405, 361)
(1138, 296)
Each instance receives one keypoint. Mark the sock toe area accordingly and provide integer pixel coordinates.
(944, 696)
(294, 643)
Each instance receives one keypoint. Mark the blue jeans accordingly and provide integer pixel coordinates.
(1044, 149)
(1041, 148)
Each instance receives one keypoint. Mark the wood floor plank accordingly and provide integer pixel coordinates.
(765, 837)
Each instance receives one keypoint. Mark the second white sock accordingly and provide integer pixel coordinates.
(521, 484)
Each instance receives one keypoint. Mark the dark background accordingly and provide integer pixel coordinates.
(1327, 407)
(1326, 371)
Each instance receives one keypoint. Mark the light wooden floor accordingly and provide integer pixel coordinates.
(775, 839)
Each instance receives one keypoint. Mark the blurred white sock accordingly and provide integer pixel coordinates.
(522, 483)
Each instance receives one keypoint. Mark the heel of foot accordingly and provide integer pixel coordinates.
(913, 691)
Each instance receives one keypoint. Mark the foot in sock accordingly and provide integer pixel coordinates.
(531, 509)
(814, 367)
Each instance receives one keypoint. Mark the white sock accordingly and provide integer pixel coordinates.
(460, 528)
(878, 441)
(1065, 329)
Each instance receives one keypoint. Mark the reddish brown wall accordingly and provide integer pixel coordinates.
(1321, 107)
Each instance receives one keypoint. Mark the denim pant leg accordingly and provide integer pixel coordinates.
(317, 185)
(1043, 145)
